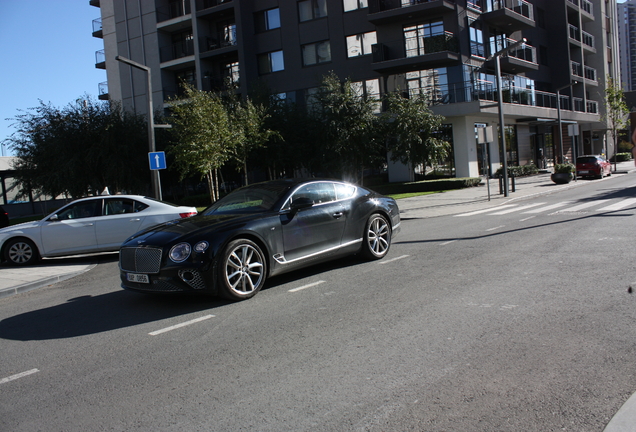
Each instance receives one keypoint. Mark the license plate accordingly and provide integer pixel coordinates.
(136, 277)
(584, 172)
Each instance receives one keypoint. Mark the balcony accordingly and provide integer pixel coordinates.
(422, 53)
(102, 91)
(209, 4)
(586, 7)
(385, 11)
(97, 28)
(100, 59)
(173, 10)
(521, 59)
(584, 39)
(511, 15)
(176, 51)
(584, 72)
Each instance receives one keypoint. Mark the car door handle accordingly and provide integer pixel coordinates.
(89, 224)
(337, 215)
(135, 220)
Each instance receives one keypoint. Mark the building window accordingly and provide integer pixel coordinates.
(350, 5)
(498, 41)
(360, 44)
(311, 99)
(271, 62)
(414, 36)
(431, 83)
(312, 9)
(231, 74)
(543, 55)
(370, 90)
(316, 53)
(267, 20)
(477, 47)
(540, 18)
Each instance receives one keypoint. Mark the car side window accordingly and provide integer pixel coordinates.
(81, 210)
(115, 206)
(344, 191)
(318, 193)
(139, 206)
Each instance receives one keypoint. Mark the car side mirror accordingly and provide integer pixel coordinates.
(54, 218)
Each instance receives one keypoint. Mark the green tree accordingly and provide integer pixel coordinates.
(79, 149)
(348, 126)
(205, 139)
(616, 110)
(410, 128)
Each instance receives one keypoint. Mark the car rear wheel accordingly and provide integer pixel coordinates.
(243, 270)
(20, 252)
(377, 237)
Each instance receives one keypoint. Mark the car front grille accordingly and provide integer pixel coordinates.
(140, 259)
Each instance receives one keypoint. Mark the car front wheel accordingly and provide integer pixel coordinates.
(20, 252)
(377, 237)
(243, 270)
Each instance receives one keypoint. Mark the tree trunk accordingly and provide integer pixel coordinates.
(210, 180)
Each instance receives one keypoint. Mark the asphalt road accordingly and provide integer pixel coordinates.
(476, 322)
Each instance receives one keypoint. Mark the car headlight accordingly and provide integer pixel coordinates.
(201, 247)
(180, 252)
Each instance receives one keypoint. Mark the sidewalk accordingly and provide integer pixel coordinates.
(14, 280)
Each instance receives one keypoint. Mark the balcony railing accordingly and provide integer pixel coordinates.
(590, 73)
(174, 10)
(487, 90)
(587, 39)
(521, 7)
(102, 91)
(223, 39)
(97, 25)
(206, 4)
(100, 57)
(581, 36)
(385, 5)
(587, 6)
(177, 50)
(474, 4)
(523, 52)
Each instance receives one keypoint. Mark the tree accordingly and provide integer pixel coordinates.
(348, 124)
(205, 139)
(80, 149)
(615, 111)
(410, 127)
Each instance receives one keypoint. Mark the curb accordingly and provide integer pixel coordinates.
(7, 292)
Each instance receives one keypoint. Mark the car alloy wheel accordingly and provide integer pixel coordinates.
(377, 238)
(243, 270)
(21, 252)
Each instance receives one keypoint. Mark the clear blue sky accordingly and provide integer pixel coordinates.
(48, 53)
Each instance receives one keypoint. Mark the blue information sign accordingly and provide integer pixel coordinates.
(157, 160)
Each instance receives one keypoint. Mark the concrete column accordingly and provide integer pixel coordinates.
(465, 147)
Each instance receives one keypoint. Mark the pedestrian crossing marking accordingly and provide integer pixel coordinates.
(561, 207)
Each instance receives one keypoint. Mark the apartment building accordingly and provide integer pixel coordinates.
(627, 43)
(443, 48)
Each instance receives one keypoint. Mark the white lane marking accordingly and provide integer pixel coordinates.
(486, 210)
(17, 376)
(583, 206)
(550, 207)
(448, 242)
(495, 228)
(307, 286)
(518, 209)
(525, 219)
(619, 205)
(392, 259)
(187, 323)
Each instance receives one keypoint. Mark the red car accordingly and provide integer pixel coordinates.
(593, 166)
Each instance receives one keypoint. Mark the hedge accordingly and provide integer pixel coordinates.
(428, 185)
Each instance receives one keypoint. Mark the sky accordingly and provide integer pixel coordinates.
(48, 54)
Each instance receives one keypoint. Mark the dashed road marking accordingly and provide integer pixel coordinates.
(393, 259)
(187, 323)
(307, 286)
(18, 376)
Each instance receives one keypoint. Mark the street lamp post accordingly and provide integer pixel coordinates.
(502, 138)
(154, 174)
(559, 121)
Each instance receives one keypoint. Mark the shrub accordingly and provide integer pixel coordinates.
(565, 168)
(622, 157)
(519, 171)
(428, 185)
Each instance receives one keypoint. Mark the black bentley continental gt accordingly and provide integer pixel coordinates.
(256, 232)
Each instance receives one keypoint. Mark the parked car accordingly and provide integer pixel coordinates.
(256, 232)
(4, 218)
(88, 225)
(593, 166)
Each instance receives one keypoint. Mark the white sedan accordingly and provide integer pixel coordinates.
(87, 225)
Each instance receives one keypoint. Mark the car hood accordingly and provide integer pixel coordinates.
(172, 231)
(20, 227)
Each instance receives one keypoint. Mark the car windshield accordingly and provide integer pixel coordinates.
(250, 199)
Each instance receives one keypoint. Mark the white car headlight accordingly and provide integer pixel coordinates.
(180, 252)
(202, 246)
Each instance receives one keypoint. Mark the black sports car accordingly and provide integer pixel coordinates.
(258, 231)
